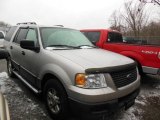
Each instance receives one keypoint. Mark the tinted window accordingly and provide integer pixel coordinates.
(153, 41)
(115, 37)
(92, 36)
(10, 33)
(133, 40)
(145, 40)
(31, 35)
(1, 35)
(21, 35)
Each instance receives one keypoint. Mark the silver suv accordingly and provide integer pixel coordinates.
(70, 72)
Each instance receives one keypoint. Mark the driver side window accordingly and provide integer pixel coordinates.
(32, 35)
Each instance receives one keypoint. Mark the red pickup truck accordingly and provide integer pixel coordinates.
(145, 52)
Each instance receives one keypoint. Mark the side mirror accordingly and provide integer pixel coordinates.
(30, 45)
(94, 42)
(1, 35)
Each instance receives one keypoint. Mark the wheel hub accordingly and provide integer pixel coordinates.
(53, 101)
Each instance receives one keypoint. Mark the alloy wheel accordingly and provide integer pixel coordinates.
(53, 101)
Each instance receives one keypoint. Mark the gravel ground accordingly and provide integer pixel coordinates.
(25, 105)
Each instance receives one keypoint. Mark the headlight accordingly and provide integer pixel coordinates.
(90, 81)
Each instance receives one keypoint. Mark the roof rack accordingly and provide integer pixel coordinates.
(59, 25)
(26, 23)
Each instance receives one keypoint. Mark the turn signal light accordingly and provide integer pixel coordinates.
(80, 80)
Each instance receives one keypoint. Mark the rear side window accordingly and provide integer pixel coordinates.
(115, 37)
(21, 35)
(92, 36)
(10, 33)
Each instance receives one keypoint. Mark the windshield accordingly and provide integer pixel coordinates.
(62, 37)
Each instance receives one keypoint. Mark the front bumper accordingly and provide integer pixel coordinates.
(103, 94)
(99, 109)
(151, 70)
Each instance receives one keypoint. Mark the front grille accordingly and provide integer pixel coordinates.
(124, 77)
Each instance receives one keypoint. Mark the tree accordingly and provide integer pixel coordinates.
(4, 26)
(135, 16)
(157, 2)
(115, 21)
(131, 20)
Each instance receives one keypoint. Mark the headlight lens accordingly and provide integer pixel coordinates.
(90, 81)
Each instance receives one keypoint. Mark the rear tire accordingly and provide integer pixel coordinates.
(56, 99)
(10, 68)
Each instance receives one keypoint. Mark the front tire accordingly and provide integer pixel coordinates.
(56, 100)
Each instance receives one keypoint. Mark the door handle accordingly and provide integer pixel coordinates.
(11, 47)
(23, 53)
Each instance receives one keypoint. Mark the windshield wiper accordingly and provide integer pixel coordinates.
(87, 46)
(63, 46)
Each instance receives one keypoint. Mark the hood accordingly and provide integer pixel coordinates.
(94, 58)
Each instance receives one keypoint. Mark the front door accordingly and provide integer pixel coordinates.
(29, 64)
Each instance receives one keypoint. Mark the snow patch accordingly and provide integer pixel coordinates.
(130, 114)
(140, 102)
(3, 75)
(153, 93)
(7, 85)
(158, 87)
(18, 89)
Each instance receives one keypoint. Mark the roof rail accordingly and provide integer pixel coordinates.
(26, 23)
(59, 25)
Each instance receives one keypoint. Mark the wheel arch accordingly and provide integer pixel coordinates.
(49, 76)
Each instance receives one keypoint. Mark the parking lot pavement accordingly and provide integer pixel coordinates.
(25, 105)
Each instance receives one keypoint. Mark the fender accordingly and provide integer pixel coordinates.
(133, 55)
(57, 71)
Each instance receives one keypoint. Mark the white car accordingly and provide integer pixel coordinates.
(1, 39)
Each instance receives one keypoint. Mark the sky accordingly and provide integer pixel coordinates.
(70, 13)
(79, 14)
